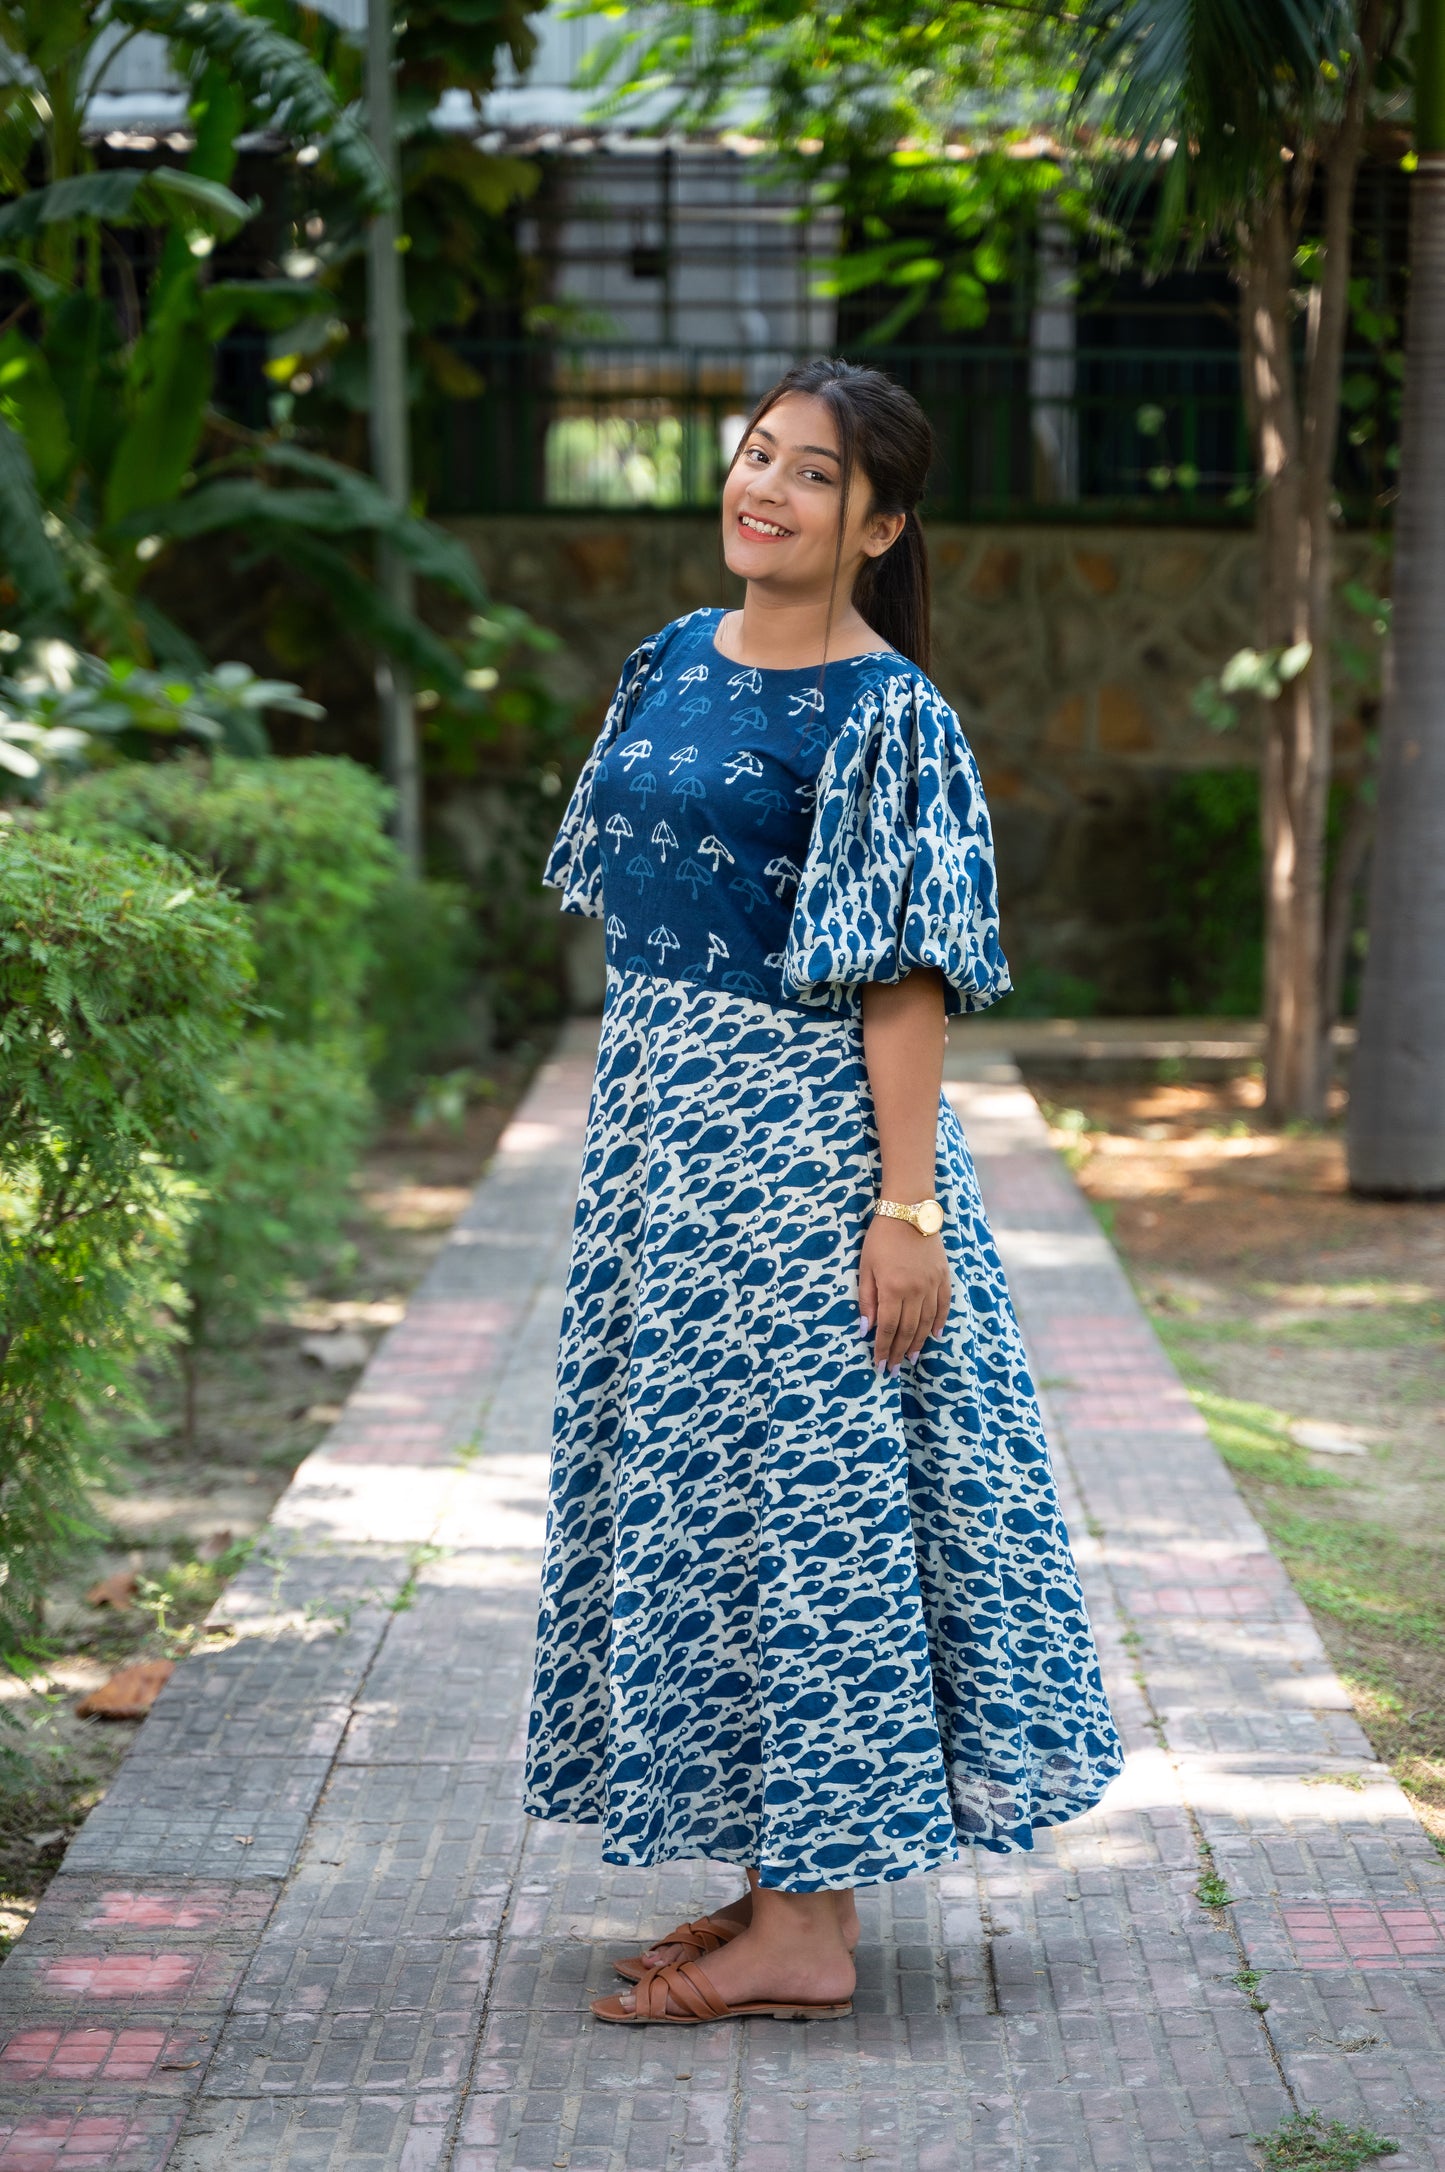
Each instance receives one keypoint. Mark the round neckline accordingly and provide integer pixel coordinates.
(788, 670)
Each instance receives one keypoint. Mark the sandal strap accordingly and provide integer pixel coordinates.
(700, 1998)
(688, 1987)
(705, 1934)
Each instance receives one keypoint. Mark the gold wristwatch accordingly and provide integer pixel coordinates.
(926, 1215)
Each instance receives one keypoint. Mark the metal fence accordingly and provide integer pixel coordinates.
(1022, 433)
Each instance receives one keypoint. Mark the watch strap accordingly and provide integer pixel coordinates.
(908, 1211)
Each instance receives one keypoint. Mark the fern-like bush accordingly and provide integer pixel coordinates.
(302, 844)
(125, 979)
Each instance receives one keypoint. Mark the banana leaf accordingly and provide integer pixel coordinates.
(164, 196)
(30, 560)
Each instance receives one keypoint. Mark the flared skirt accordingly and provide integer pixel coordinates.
(794, 1613)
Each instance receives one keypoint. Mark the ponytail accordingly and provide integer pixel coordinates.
(894, 593)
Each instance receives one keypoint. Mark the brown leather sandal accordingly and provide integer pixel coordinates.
(690, 1989)
(704, 1935)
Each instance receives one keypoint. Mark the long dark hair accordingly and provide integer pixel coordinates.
(884, 437)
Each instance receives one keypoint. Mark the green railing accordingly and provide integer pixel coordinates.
(1094, 433)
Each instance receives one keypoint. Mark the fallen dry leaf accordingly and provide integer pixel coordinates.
(130, 1694)
(118, 1591)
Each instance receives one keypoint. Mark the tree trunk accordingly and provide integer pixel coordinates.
(1293, 894)
(1351, 863)
(1295, 417)
(1397, 1079)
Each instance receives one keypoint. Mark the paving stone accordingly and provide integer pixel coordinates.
(77, 1912)
(351, 2133)
(120, 2131)
(309, 1927)
(200, 1817)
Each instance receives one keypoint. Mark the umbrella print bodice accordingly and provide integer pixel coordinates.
(783, 837)
(704, 809)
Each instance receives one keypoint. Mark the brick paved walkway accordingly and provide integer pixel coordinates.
(308, 1927)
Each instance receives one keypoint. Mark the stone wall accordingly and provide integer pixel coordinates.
(1070, 652)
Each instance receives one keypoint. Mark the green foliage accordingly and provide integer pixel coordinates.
(276, 1178)
(34, 577)
(106, 448)
(524, 748)
(282, 83)
(1253, 1439)
(1263, 673)
(302, 843)
(1224, 83)
(154, 196)
(908, 122)
(458, 201)
(1046, 991)
(1212, 1891)
(61, 709)
(1210, 926)
(421, 988)
(1361, 1576)
(1306, 2143)
(125, 977)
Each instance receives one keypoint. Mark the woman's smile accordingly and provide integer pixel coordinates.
(769, 530)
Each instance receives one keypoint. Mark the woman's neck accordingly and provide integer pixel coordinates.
(788, 635)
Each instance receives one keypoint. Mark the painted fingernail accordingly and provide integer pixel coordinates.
(895, 1370)
(865, 1326)
(881, 1367)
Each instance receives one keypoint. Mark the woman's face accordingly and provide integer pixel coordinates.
(781, 499)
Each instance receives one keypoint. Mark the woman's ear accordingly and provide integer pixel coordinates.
(882, 532)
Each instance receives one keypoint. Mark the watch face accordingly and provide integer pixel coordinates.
(929, 1217)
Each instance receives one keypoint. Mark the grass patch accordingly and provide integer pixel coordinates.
(1393, 1327)
(1362, 1576)
(178, 1600)
(1398, 1327)
(1212, 1892)
(1306, 2144)
(1252, 1438)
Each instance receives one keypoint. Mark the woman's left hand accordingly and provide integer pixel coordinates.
(904, 1289)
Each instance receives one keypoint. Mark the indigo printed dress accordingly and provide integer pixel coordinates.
(793, 1613)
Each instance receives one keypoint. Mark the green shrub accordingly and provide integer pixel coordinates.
(518, 759)
(423, 1002)
(1211, 906)
(302, 844)
(125, 978)
(277, 1176)
(62, 710)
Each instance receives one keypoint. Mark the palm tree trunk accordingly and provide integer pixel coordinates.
(1397, 1079)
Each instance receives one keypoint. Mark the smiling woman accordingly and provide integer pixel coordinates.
(808, 1604)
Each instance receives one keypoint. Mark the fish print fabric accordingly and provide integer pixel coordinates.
(793, 1614)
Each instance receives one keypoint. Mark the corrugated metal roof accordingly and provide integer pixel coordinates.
(138, 94)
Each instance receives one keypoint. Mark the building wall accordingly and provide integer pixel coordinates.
(1070, 652)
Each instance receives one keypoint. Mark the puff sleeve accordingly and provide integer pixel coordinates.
(574, 865)
(900, 868)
